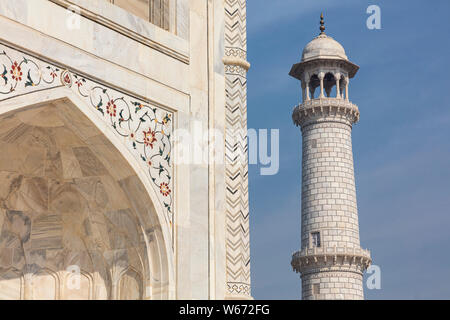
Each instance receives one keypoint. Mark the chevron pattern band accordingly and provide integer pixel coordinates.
(236, 160)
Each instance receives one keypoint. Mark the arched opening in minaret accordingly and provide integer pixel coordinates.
(76, 222)
(314, 83)
(329, 84)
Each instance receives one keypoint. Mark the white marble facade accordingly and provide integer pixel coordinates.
(91, 97)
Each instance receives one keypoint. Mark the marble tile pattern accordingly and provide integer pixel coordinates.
(146, 129)
(65, 202)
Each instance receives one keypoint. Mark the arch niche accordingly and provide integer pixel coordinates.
(76, 221)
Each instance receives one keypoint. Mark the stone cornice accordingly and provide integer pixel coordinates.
(329, 257)
(315, 110)
(165, 48)
(298, 70)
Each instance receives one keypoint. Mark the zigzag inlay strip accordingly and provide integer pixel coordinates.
(237, 208)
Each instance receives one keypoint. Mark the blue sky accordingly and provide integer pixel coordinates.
(401, 145)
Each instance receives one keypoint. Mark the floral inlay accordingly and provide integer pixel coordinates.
(147, 129)
(111, 108)
(164, 189)
(16, 72)
(149, 138)
(22, 68)
(66, 79)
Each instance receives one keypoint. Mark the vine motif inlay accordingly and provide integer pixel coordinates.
(24, 71)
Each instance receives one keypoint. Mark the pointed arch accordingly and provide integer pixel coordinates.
(77, 285)
(130, 285)
(153, 225)
(45, 285)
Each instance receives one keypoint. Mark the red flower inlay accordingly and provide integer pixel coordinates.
(149, 138)
(16, 72)
(67, 80)
(111, 108)
(164, 189)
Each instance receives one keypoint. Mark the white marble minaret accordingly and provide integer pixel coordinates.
(331, 261)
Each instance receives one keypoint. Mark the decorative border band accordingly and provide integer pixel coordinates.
(311, 109)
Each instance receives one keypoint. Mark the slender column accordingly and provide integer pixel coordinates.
(346, 88)
(307, 91)
(337, 76)
(27, 287)
(114, 293)
(321, 76)
(303, 91)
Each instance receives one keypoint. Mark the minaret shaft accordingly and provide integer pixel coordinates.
(329, 209)
(328, 185)
(331, 261)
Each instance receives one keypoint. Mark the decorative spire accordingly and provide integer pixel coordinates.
(322, 24)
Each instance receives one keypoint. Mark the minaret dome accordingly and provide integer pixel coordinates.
(324, 65)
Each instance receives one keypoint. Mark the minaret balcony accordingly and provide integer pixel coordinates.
(321, 107)
(317, 257)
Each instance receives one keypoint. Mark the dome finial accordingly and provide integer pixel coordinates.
(322, 24)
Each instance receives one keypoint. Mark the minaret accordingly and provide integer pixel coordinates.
(331, 261)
